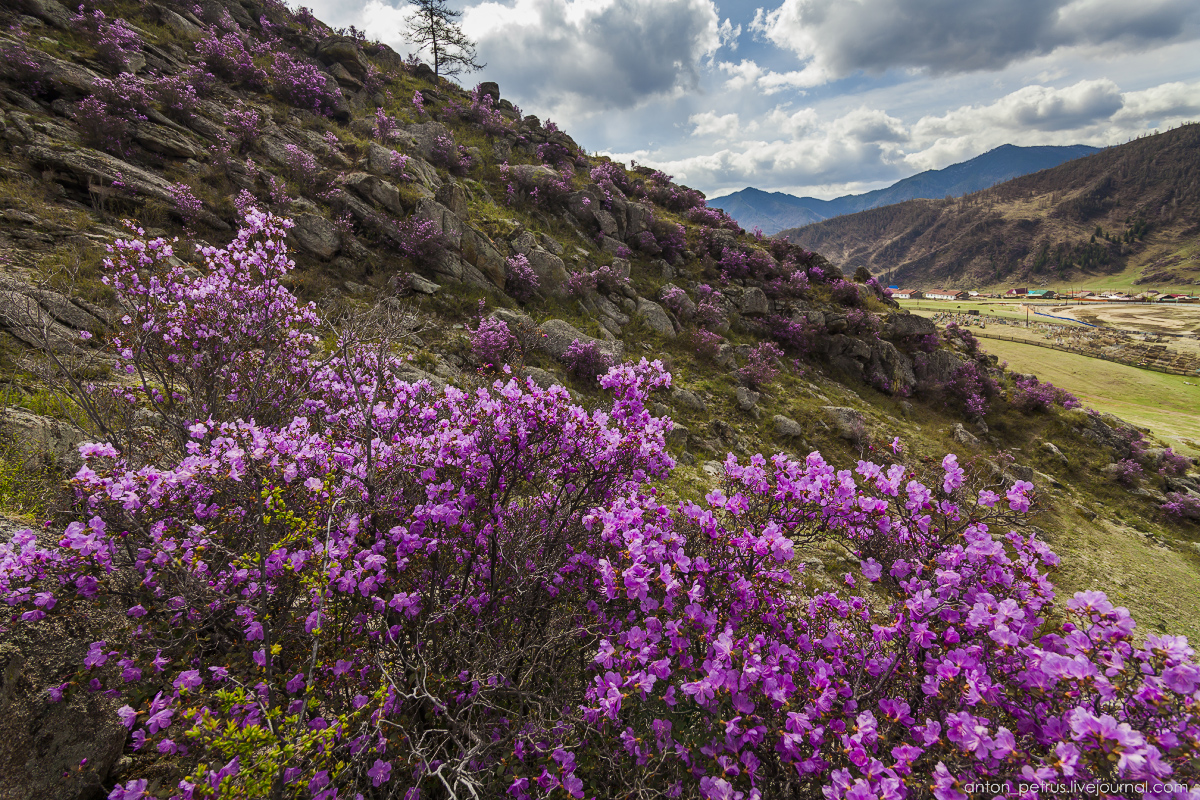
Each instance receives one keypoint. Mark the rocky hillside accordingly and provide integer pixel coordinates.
(773, 212)
(438, 237)
(1130, 208)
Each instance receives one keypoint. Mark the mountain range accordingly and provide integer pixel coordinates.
(1127, 214)
(776, 211)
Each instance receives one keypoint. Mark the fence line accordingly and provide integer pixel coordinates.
(1153, 367)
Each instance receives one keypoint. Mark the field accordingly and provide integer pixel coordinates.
(1167, 404)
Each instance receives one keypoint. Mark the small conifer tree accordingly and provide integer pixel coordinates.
(434, 27)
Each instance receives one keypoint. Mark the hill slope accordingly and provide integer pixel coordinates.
(776, 211)
(359, 514)
(1130, 210)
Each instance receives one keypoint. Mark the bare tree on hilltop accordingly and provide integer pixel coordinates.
(434, 27)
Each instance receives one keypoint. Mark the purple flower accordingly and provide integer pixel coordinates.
(380, 773)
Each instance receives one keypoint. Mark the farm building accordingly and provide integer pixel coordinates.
(907, 294)
(946, 294)
(1041, 294)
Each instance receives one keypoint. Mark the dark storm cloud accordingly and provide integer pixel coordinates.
(837, 38)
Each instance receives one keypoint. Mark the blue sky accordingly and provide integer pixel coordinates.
(826, 97)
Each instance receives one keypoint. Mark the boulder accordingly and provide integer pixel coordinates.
(609, 310)
(454, 197)
(478, 250)
(677, 436)
(893, 366)
(316, 235)
(787, 427)
(64, 310)
(65, 750)
(848, 422)
(746, 398)
(606, 221)
(688, 399)
(175, 22)
(938, 367)
(345, 51)
(25, 319)
(446, 221)
(533, 174)
(165, 141)
(846, 353)
(492, 90)
(425, 136)
(755, 303)
(422, 285)
(559, 335)
(376, 190)
(964, 436)
(551, 271)
(93, 167)
(51, 12)
(902, 325)
(44, 438)
(655, 317)
(686, 306)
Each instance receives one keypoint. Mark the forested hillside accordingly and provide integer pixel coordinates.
(1130, 207)
(365, 437)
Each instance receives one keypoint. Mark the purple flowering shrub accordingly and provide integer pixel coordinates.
(106, 117)
(713, 218)
(710, 307)
(972, 388)
(543, 191)
(706, 344)
(606, 278)
(187, 205)
(738, 263)
(585, 360)
(341, 583)
(304, 169)
(1184, 506)
(492, 343)
(846, 293)
(960, 337)
(303, 85)
(480, 111)
(799, 336)
(178, 95)
(26, 68)
(386, 127)
(762, 365)
(242, 126)
(420, 239)
(114, 39)
(1171, 464)
(224, 54)
(186, 354)
(1031, 395)
(676, 301)
(1127, 472)
(521, 280)
(446, 153)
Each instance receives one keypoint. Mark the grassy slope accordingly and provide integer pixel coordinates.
(1124, 544)
(1166, 404)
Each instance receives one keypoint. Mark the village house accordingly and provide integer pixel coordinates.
(946, 294)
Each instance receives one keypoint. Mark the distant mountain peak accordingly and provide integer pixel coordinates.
(777, 211)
